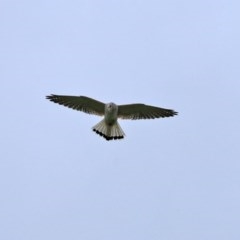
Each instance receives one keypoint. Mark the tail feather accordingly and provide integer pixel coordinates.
(109, 132)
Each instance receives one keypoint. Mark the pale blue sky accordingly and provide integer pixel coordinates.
(169, 179)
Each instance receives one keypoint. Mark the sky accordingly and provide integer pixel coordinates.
(171, 178)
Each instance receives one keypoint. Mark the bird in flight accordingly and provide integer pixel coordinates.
(109, 127)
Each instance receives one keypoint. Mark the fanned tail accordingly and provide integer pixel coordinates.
(109, 132)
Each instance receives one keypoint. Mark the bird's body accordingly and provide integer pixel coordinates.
(111, 112)
(109, 127)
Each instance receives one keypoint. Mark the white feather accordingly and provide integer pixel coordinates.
(109, 132)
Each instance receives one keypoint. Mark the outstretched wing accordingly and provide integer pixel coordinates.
(81, 103)
(142, 111)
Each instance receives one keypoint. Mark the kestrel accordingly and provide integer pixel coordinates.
(109, 127)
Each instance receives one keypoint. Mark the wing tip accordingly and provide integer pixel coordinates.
(52, 97)
(174, 113)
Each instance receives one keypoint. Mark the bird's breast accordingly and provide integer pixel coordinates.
(111, 110)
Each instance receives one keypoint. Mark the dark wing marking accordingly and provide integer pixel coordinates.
(142, 111)
(81, 103)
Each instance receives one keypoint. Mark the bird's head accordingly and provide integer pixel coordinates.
(111, 107)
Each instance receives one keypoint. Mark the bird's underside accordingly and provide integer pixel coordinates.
(109, 127)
